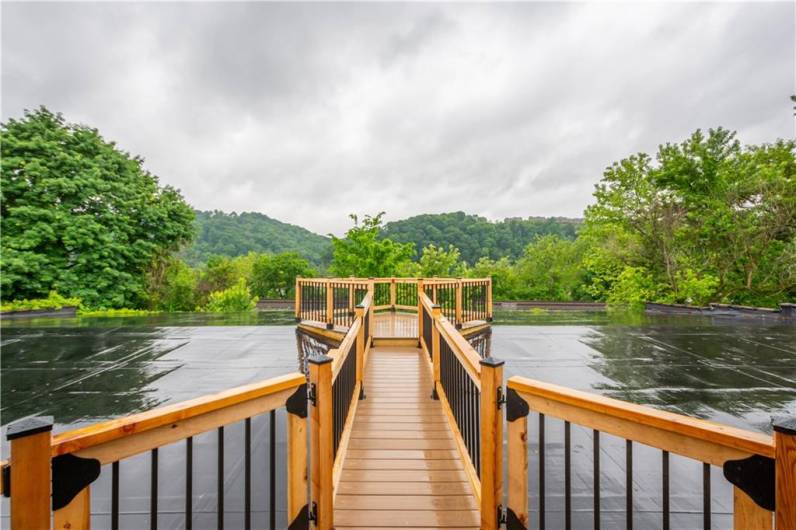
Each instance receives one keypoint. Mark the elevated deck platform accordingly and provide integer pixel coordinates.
(402, 467)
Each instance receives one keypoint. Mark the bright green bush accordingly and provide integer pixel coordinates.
(116, 313)
(633, 286)
(53, 301)
(236, 298)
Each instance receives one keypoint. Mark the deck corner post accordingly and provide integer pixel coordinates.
(491, 441)
(329, 304)
(297, 461)
(321, 442)
(785, 481)
(459, 318)
(489, 315)
(30, 473)
(419, 310)
(393, 294)
(297, 305)
(517, 411)
(436, 314)
(360, 315)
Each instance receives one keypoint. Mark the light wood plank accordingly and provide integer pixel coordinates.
(402, 475)
(403, 454)
(383, 463)
(404, 518)
(405, 502)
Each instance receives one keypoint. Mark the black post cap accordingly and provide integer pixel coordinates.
(491, 361)
(786, 426)
(319, 359)
(29, 427)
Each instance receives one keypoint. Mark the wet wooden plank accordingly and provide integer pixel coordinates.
(404, 518)
(406, 502)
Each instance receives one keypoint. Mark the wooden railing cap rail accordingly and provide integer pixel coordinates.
(730, 437)
(462, 349)
(100, 433)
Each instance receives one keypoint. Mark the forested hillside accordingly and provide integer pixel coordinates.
(475, 236)
(233, 234)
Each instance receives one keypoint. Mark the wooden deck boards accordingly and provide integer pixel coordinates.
(402, 468)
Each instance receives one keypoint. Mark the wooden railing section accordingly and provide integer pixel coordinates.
(50, 476)
(760, 465)
(331, 300)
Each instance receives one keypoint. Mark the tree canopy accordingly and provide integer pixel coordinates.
(80, 216)
(363, 253)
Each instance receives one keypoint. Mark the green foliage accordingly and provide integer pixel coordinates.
(233, 234)
(81, 216)
(236, 298)
(363, 253)
(275, 276)
(438, 262)
(475, 236)
(633, 286)
(708, 220)
(53, 301)
(173, 286)
(550, 269)
(116, 313)
(503, 274)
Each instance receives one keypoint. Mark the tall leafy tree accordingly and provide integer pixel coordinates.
(81, 216)
(363, 253)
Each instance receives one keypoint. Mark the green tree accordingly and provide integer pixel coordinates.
(275, 276)
(236, 298)
(551, 269)
(438, 262)
(80, 216)
(363, 253)
(503, 274)
(172, 286)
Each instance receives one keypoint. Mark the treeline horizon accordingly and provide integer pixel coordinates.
(704, 220)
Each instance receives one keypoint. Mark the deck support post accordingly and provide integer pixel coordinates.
(785, 482)
(459, 318)
(420, 310)
(329, 305)
(360, 315)
(351, 303)
(393, 295)
(491, 442)
(297, 460)
(30, 472)
(517, 444)
(489, 315)
(436, 313)
(321, 442)
(297, 305)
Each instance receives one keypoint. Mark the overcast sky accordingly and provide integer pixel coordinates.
(308, 112)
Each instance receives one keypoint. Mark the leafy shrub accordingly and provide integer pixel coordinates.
(236, 298)
(53, 301)
(116, 313)
(633, 286)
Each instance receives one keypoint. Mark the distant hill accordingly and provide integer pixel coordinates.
(237, 234)
(477, 236)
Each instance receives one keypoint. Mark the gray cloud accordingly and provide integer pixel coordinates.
(307, 112)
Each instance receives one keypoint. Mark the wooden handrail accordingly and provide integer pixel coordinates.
(108, 431)
(722, 438)
(340, 354)
(466, 354)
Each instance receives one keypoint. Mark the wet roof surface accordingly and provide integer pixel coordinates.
(736, 371)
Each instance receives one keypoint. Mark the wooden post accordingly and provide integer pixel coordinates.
(459, 320)
(76, 515)
(296, 463)
(392, 294)
(297, 305)
(420, 311)
(489, 300)
(360, 315)
(491, 442)
(747, 515)
(517, 441)
(434, 293)
(30, 472)
(436, 313)
(785, 442)
(351, 302)
(321, 449)
(329, 305)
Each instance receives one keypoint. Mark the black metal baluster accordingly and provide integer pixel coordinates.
(247, 477)
(220, 478)
(629, 481)
(153, 491)
(706, 496)
(188, 483)
(541, 474)
(596, 486)
(665, 489)
(567, 476)
(115, 496)
(272, 469)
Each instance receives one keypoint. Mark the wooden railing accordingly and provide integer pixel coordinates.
(749, 460)
(49, 477)
(470, 390)
(331, 300)
(336, 385)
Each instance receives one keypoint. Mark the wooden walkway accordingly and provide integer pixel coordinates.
(402, 468)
